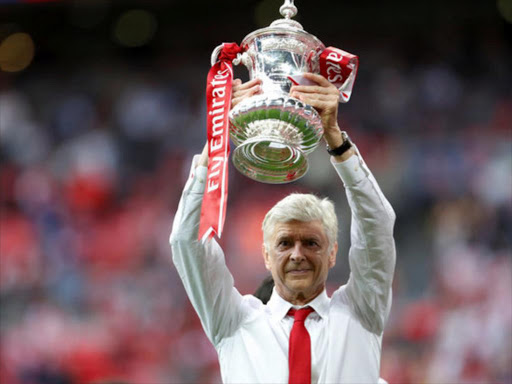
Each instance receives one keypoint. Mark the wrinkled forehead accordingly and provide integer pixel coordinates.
(297, 228)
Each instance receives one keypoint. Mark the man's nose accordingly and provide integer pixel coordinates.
(297, 253)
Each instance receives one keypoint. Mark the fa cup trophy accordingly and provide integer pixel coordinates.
(273, 132)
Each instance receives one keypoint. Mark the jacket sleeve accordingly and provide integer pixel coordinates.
(372, 252)
(201, 267)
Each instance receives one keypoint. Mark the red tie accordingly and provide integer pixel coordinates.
(299, 353)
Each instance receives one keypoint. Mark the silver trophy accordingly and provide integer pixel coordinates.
(274, 132)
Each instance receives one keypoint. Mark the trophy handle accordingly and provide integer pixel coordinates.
(240, 58)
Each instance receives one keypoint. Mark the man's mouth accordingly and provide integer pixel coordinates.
(299, 271)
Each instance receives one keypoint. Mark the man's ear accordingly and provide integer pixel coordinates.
(332, 255)
(266, 256)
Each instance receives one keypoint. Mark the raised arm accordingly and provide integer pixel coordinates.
(372, 254)
(202, 268)
(207, 280)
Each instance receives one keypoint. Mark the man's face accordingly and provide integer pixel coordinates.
(299, 259)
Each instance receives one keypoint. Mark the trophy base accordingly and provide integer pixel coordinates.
(268, 160)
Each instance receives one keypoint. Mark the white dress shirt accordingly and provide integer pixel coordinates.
(251, 338)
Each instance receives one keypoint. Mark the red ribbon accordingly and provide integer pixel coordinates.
(218, 99)
(340, 68)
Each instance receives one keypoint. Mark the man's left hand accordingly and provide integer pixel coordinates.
(324, 97)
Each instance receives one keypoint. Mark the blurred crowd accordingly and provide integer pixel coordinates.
(92, 165)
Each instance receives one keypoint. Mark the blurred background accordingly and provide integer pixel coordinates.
(102, 108)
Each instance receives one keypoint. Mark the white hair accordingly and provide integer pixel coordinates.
(302, 207)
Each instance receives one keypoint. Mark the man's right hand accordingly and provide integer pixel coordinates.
(242, 91)
(203, 160)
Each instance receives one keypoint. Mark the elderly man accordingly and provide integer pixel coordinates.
(301, 335)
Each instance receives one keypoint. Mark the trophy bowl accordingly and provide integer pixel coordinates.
(272, 131)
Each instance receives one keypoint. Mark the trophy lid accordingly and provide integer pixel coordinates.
(285, 26)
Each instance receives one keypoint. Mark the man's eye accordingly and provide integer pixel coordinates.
(283, 243)
(311, 243)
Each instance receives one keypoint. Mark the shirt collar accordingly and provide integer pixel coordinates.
(280, 307)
